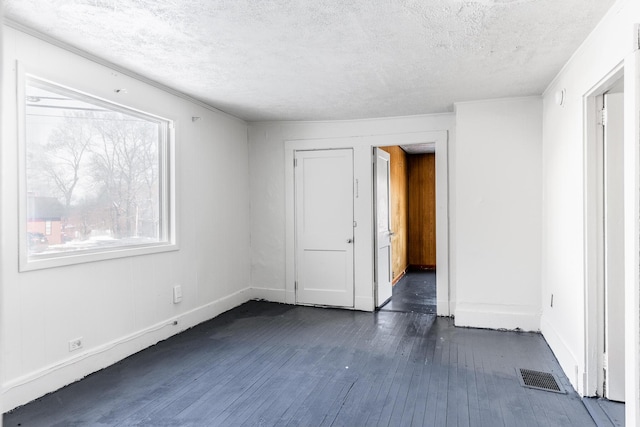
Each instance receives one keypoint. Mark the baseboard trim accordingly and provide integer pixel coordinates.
(567, 360)
(282, 296)
(272, 295)
(421, 267)
(26, 388)
(497, 317)
(398, 277)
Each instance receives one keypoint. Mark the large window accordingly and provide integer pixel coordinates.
(95, 177)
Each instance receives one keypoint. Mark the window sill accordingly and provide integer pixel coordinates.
(39, 262)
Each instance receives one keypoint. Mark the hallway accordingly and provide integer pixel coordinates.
(415, 292)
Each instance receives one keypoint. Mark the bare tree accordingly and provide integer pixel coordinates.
(63, 154)
(125, 163)
(104, 166)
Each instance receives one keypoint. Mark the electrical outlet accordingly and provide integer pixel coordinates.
(75, 344)
(177, 294)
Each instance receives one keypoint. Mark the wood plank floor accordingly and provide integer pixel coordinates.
(266, 364)
(605, 413)
(414, 292)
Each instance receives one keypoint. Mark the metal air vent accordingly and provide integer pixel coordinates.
(539, 380)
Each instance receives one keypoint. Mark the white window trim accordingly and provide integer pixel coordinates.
(27, 263)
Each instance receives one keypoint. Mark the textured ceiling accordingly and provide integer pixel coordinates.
(429, 147)
(326, 59)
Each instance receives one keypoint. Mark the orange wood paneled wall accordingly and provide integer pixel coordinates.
(422, 210)
(399, 209)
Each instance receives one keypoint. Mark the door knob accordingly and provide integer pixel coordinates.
(349, 240)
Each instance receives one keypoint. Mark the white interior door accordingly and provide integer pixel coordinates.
(614, 364)
(382, 184)
(324, 227)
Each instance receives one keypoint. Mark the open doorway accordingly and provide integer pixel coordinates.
(412, 183)
(605, 240)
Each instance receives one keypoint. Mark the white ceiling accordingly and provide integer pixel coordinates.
(429, 147)
(326, 59)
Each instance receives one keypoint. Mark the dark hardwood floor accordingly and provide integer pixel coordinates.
(267, 364)
(605, 413)
(414, 292)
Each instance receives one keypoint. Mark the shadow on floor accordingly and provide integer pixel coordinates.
(414, 293)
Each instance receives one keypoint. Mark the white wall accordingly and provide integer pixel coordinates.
(564, 257)
(494, 209)
(268, 190)
(498, 214)
(121, 306)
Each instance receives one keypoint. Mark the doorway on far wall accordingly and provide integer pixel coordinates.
(413, 226)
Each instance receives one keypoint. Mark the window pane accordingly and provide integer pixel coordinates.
(94, 175)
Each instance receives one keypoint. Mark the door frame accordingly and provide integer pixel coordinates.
(594, 234)
(630, 69)
(443, 294)
(376, 232)
(632, 231)
(363, 210)
(613, 202)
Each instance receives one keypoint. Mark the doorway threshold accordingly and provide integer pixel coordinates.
(605, 413)
(415, 292)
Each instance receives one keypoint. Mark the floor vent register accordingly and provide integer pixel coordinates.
(539, 380)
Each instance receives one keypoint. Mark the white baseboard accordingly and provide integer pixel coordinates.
(567, 360)
(21, 390)
(281, 296)
(273, 295)
(497, 317)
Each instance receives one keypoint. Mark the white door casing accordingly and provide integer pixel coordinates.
(592, 382)
(383, 232)
(324, 227)
(632, 233)
(613, 203)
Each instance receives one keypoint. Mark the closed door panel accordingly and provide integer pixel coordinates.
(324, 227)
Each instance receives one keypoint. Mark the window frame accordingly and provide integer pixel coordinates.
(166, 170)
